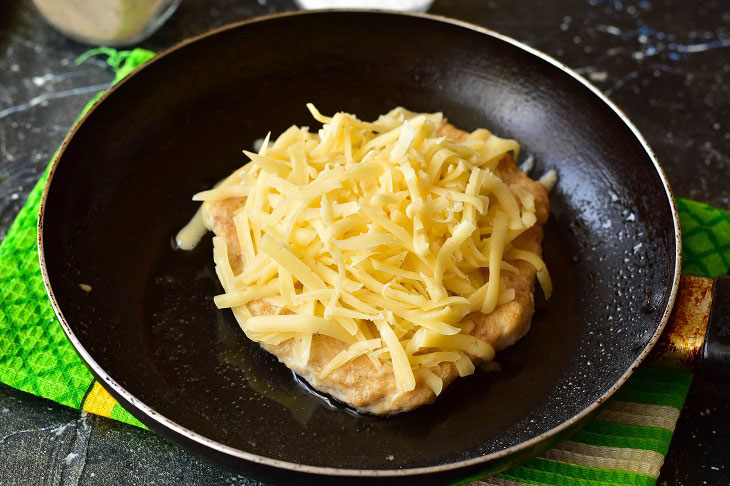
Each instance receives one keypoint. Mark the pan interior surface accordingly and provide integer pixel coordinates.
(123, 185)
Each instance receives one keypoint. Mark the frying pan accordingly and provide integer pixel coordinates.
(122, 185)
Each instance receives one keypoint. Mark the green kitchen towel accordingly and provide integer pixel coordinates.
(35, 355)
(624, 445)
(705, 239)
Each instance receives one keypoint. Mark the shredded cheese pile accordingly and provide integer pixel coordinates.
(377, 234)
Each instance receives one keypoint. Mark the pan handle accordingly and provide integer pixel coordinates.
(716, 350)
(697, 336)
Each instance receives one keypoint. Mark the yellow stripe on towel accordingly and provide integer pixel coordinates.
(99, 401)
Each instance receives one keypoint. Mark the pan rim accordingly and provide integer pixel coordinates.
(204, 441)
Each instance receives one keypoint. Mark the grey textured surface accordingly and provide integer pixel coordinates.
(45, 443)
(665, 62)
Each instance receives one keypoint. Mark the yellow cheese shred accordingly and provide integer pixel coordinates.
(298, 323)
(542, 273)
(404, 379)
(353, 351)
(237, 298)
(433, 382)
(383, 235)
(496, 248)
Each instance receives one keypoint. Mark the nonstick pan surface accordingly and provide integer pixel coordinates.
(122, 187)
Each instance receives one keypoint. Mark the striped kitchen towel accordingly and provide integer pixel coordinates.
(624, 445)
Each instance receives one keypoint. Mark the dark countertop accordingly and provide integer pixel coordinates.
(666, 63)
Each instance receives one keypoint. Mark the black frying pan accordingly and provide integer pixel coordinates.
(150, 332)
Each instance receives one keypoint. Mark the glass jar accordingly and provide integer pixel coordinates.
(107, 22)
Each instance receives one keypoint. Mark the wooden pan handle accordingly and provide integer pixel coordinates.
(697, 336)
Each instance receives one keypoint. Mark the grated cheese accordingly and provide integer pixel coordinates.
(434, 382)
(381, 235)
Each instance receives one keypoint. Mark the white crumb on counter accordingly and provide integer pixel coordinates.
(598, 76)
